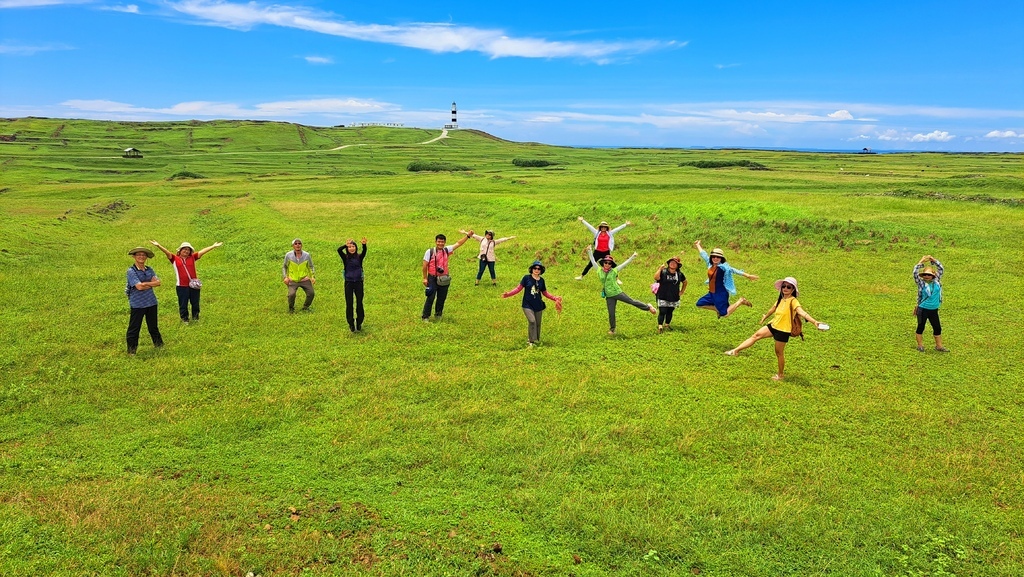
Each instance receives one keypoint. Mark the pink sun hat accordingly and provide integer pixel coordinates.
(787, 280)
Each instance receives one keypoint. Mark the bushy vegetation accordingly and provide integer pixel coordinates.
(258, 441)
(725, 164)
(434, 166)
(533, 162)
(185, 174)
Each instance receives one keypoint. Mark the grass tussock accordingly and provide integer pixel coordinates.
(434, 166)
(725, 164)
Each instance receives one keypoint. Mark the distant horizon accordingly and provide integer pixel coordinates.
(859, 150)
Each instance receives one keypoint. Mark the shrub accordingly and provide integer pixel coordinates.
(533, 162)
(725, 164)
(185, 174)
(420, 166)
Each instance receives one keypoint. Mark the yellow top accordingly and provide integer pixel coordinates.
(783, 319)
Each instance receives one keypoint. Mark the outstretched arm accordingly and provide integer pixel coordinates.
(770, 312)
(589, 226)
(470, 233)
(208, 249)
(627, 261)
(169, 254)
(806, 316)
(590, 253)
(620, 227)
(462, 241)
(513, 292)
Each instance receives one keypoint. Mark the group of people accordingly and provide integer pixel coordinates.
(670, 283)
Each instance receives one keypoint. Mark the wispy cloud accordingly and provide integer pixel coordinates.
(435, 37)
(127, 8)
(203, 109)
(37, 3)
(319, 60)
(1003, 134)
(723, 66)
(30, 49)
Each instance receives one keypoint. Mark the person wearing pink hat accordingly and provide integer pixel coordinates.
(786, 309)
(188, 285)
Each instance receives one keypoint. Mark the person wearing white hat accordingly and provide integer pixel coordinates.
(187, 284)
(720, 283)
(783, 325)
(604, 242)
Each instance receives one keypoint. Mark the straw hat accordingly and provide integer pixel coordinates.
(787, 280)
(148, 252)
(717, 252)
(537, 263)
(604, 223)
(927, 270)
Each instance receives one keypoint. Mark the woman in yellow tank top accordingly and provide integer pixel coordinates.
(785, 309)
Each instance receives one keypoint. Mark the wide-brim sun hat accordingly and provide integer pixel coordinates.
(927, 270)
(148, 252)
(717, 252)
(187, 245)
(787, 280)
(674, 259)
(535, 264)
(604, 223)
(609, 260)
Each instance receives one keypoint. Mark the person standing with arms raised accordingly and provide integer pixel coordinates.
(187, 285)
(353, 263)
(436, 277)
(604, 242)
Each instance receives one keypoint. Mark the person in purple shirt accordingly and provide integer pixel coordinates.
(353, 262)
(139, 283)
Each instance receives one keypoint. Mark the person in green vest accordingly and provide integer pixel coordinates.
(608, 274)
(298, 273)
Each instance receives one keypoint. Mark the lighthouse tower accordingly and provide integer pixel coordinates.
(455, 122)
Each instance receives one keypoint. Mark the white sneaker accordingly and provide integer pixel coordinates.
(579, 278)
(618, 280)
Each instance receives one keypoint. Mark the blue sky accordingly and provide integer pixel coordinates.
(911, 75)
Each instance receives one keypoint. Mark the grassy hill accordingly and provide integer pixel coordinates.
(258, 441)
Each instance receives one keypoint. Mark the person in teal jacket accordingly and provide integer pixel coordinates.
(929, 297)
(608, 274)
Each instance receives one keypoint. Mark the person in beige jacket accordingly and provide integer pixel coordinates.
(486, 255)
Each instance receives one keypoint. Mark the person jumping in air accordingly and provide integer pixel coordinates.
(604, 242)
(720, 283)
(608, 274)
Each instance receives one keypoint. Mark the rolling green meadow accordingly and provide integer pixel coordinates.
(258, 442)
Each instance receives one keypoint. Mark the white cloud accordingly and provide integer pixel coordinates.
(196, 109)
(128, 8)
(934, 136)
(435, 37)
(841, 115)
(36, 3)
(723, 66)
(890, 136)
(29, 50)
(1003, 134)
(319, 60)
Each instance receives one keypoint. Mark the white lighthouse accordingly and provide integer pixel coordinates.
(455, 122)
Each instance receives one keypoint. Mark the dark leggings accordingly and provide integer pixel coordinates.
(488, 264)
(932, 316)
(440, 293)
(598, 255)
(135, 327)
(665, 315)
(187, 295)
(354, 289)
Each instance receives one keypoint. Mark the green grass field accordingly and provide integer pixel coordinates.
(276, 444)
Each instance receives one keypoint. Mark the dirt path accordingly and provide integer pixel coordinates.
(444, 134)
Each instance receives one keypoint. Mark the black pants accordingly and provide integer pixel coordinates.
(135, 326)
(665, 315)
(188, 295)
(488, 264)
(598, 255)
(440, 293)
(930, 315)
(354, 289)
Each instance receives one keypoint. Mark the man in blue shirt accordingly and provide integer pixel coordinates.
(140, 282)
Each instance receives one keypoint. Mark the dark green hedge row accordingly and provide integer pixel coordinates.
(420, 166)
(725, 164)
